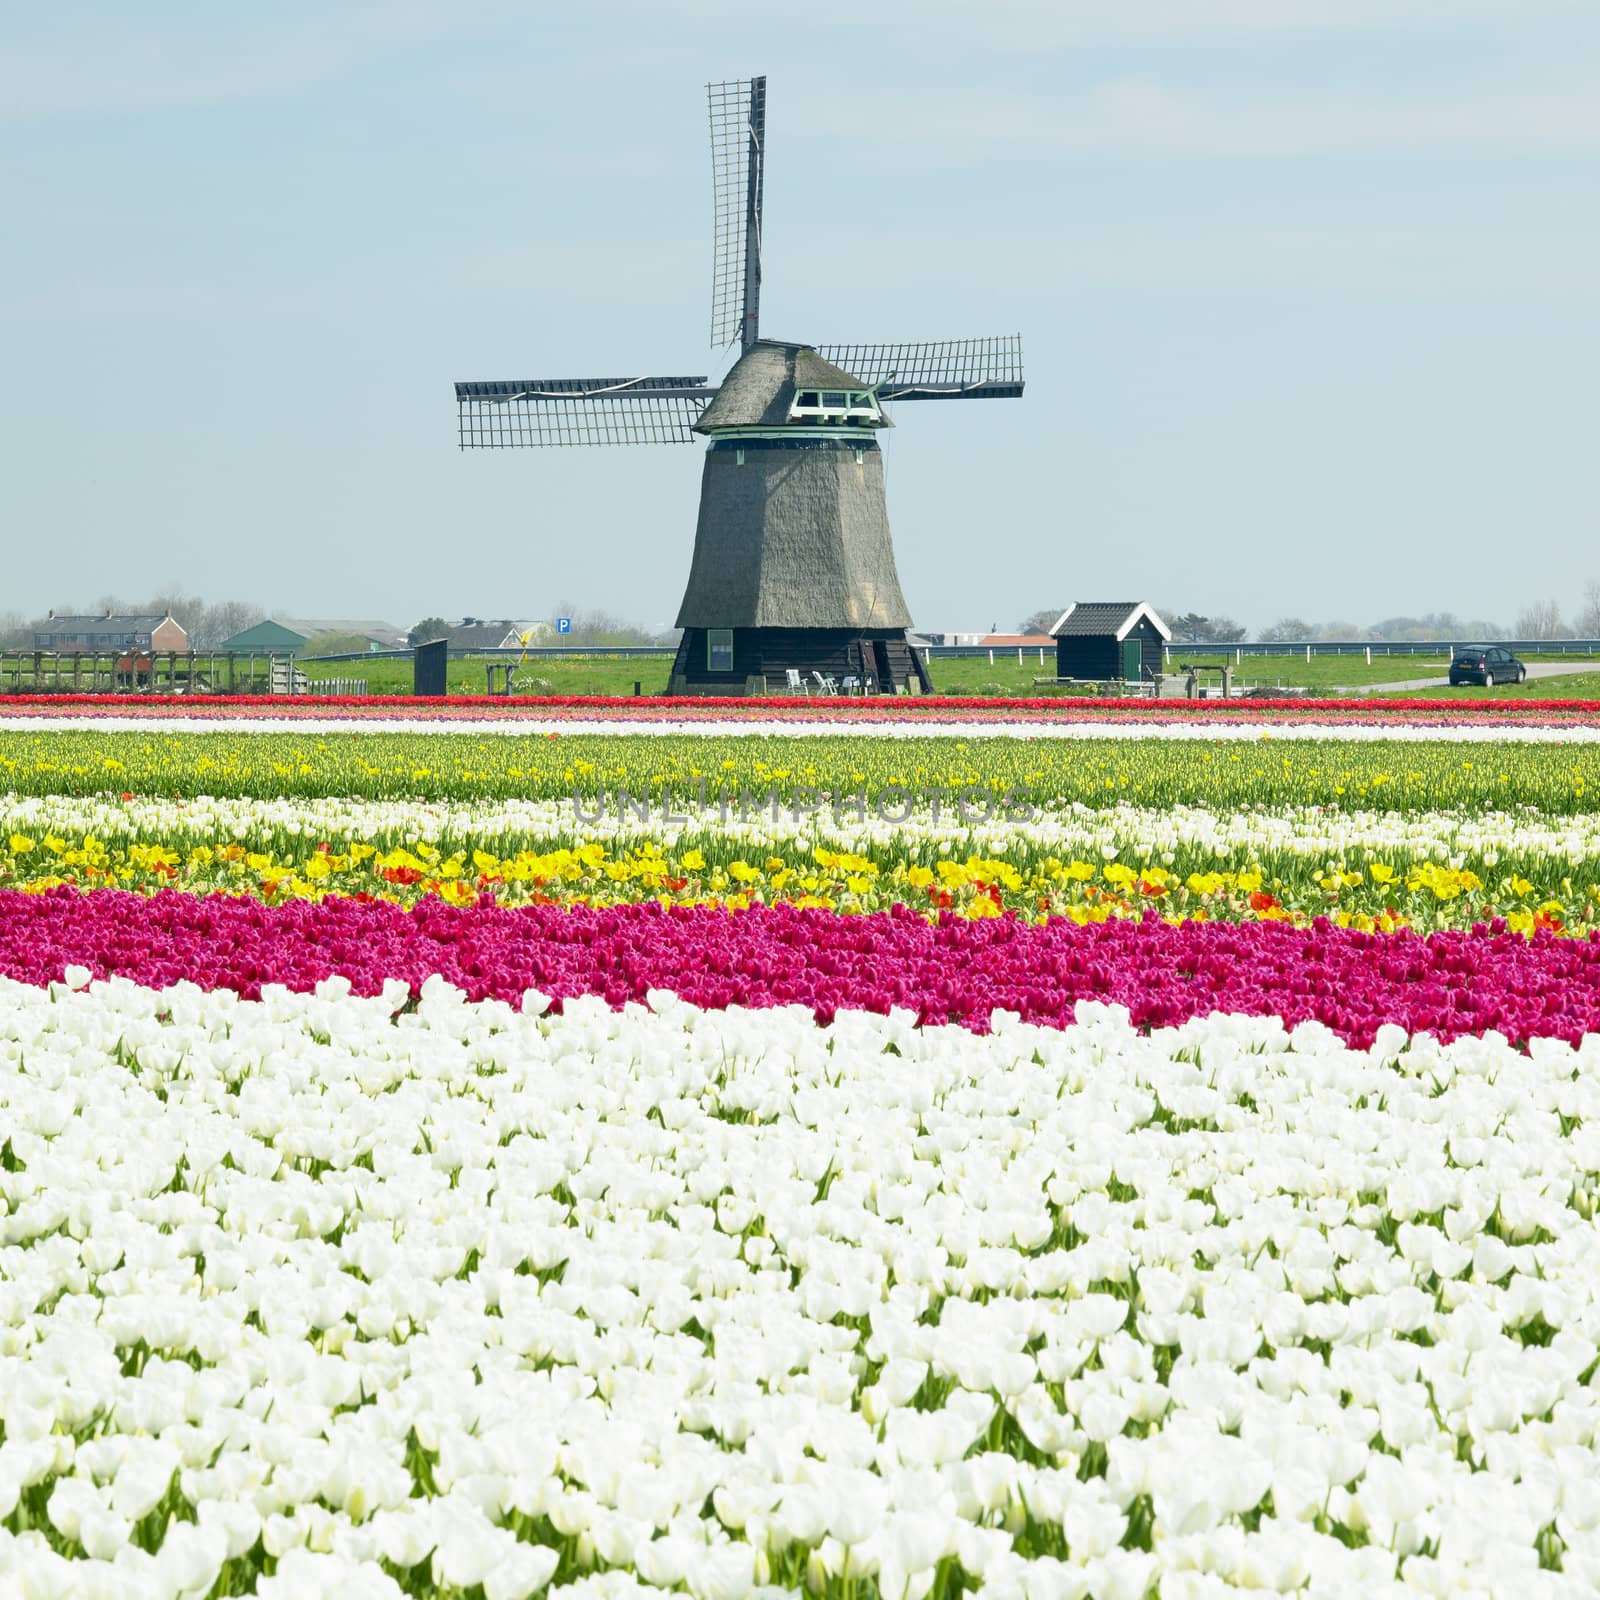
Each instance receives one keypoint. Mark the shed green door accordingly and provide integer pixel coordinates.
(1131, 651)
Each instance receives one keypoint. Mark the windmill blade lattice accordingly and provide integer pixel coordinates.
(738, 162)
(947, 369)
(572, 411)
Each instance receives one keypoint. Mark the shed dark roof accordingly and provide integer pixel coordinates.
(1105, 619)
(759, 389)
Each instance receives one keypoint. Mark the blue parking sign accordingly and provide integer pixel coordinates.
(563, 624)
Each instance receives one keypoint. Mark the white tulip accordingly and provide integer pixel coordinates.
(191, 1556)
(520, 1572)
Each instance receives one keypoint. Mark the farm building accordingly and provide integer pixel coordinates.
(269, 635)
(293, 634)
(1016, 641)
(478, 633)
(379, 635)
(110, 630)
(1109, 640)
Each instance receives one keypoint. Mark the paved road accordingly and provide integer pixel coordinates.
(1536, 669)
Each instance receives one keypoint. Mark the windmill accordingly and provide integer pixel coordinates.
(793, 577)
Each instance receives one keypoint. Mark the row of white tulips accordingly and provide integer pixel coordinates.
(1068, 830)
(1501, 730)
(319, 1295)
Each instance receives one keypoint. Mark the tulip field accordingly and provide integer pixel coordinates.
(1118, 1152)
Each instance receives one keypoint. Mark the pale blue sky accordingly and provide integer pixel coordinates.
(1309, 293)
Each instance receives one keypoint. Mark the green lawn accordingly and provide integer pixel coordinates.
(963, 675)
(538, 675)
(1565, 686)
(1320, 672)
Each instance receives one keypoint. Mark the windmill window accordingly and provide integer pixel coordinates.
(719, 649)
(834, 405)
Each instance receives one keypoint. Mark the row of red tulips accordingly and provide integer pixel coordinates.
(718, 707)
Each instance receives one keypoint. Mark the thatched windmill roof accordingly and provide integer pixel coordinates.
(760, 389)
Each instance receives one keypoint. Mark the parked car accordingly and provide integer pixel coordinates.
(1487, 664)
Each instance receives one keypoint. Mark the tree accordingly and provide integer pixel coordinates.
(16, 633)
(213, 624)
(1444, 626)
(207, 625)
(1287, 630)
(1587, 621)
(428, 629)
(1040, 621)
(1195, 627)
(1542, 620)
(598, 628)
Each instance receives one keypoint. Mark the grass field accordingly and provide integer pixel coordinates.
(465, 675)
(1566, 686)
(965, 675)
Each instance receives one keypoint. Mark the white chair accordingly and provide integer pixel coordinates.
(797, 684)
(825, 685)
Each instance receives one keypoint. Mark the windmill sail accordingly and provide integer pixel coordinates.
(948, 369)
(558, 411)
(738, 161)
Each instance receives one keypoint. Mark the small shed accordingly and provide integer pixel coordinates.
(1110, 640)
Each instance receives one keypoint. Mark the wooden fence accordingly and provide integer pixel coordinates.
(144, 672)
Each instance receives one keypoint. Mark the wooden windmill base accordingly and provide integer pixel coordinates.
(880, 660)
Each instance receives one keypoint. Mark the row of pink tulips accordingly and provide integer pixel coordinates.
(1448, 984)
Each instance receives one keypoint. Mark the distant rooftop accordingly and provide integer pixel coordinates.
(117, 622)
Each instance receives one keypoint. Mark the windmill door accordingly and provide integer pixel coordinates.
(885, 671)
(1132, 652)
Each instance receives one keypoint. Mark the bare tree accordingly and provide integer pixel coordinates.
(1542, 620)
(15, 631)
(1444, 626)
(1288, 630)
(213, 624)
(1587, 621)
(1040, 621)
(599, 628)
(206, 625)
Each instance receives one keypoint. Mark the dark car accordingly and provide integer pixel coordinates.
(1487, 664)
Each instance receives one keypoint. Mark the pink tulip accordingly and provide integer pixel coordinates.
(956, 970)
